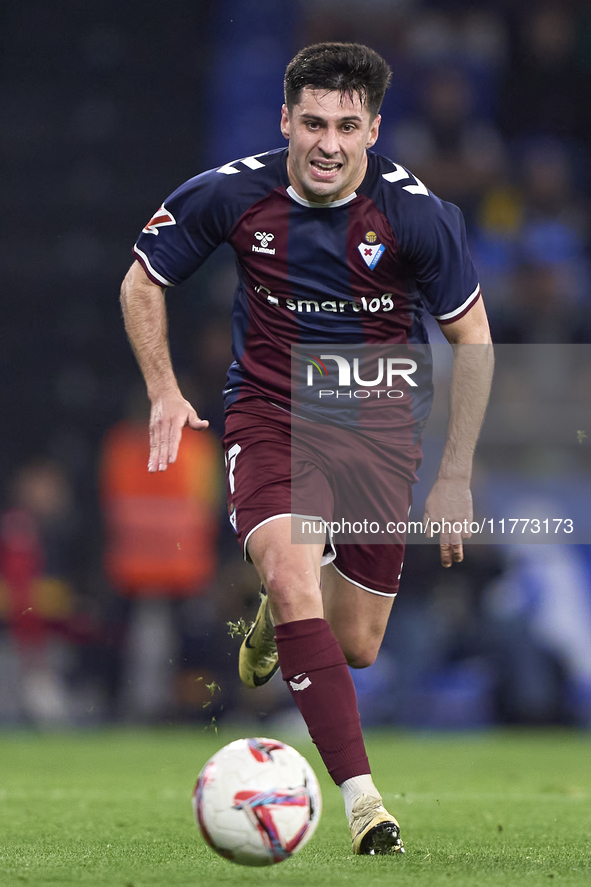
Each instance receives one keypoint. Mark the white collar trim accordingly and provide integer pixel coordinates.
(295, 196)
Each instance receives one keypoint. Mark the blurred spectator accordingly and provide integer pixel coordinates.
(36, 597)
(539, 618)
(531, 245)
(546, 92)
(212, 351)
(161, 536)
(450, 144)
(556, 221)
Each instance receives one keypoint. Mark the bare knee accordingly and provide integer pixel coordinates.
(361, 657)
(290, 598)
(290, 573)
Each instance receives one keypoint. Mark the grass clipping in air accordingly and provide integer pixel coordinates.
(238, 629)
(110, 809)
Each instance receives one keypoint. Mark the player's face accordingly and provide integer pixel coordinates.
(328, 135)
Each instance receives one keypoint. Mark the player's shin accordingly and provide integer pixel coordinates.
(316, 672)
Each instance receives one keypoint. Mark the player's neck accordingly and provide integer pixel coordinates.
(325, 199)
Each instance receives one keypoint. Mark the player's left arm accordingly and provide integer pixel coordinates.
(473, 362)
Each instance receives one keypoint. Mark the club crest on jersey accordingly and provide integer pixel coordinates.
(265, 239)
(159, 220)
(371, 253)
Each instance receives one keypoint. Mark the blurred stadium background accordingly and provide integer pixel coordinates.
(106, 108)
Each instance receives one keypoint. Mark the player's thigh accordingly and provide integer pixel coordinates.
(357, 617)
(290, 572)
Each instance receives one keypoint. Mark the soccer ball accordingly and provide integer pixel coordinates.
(257, 801)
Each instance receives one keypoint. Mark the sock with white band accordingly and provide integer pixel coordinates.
(353, 788)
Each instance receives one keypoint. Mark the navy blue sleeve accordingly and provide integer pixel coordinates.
(436, 249)
(187, 228)
(431, 237)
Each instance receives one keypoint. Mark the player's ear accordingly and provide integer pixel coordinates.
(285, 121)
(374, 131)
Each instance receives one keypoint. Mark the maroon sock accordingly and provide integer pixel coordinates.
(316, 672)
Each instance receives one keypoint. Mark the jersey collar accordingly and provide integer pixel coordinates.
(295, 196)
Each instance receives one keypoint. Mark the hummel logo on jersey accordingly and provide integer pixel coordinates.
(298, 684)
(265, 239)
(371, 253)
(159, 220)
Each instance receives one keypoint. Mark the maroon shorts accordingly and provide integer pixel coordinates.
(278, 465)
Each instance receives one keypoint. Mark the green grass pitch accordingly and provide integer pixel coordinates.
(113, 808)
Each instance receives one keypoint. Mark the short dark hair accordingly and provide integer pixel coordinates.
(350, 68)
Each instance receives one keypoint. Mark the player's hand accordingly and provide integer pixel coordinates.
(449, 501)
(170, 413)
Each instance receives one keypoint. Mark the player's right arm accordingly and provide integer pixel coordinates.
(191, 223)
(144, 314)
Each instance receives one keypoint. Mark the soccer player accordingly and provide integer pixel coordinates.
(334, 243)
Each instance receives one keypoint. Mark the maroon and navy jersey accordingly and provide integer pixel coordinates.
(361, 270)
